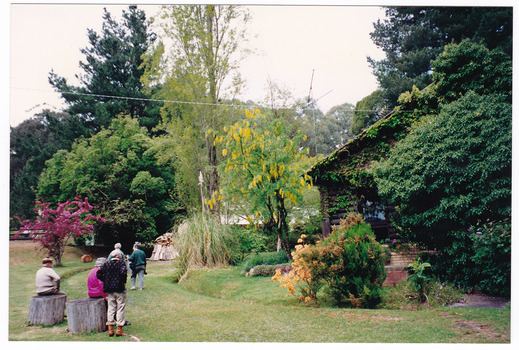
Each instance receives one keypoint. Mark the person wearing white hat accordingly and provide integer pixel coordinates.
(117, 248)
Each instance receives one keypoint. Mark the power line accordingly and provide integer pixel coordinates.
(187, 102)
(128, 98)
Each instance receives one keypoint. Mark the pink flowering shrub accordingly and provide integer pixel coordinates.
(53, 227)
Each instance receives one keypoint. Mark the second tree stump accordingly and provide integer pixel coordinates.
(86, 315)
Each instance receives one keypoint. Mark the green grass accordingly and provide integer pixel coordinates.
(221, 305)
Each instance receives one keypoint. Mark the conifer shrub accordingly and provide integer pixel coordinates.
(356, 279)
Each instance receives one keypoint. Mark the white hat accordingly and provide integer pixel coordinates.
(100, 261)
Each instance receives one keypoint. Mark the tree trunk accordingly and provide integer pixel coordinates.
(282, 225)
(47, 309)
(213, 97)
(86, 315)
(212, 185)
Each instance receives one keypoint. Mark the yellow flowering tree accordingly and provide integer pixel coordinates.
(262, 165)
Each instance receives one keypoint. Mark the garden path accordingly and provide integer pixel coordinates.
(482, 301)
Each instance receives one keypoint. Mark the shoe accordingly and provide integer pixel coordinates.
(132, 288)
(128, 323)
(119, 331)
(110, 330)
(140, 288)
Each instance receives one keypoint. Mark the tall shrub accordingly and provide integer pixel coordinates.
(357, 278)
(118, 169)
(480, 257)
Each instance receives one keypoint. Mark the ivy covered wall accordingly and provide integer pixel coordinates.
(343, 178)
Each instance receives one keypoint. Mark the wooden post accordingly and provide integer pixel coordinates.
(86, 315)
(47, 309)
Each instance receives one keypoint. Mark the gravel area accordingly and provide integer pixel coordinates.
(482, 301)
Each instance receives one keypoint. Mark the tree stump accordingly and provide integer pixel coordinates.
(86, 315)
(47, 309)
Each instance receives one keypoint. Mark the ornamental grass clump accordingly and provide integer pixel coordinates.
(350, 262)
(204, 242)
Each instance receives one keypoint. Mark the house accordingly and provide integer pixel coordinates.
(345, 183)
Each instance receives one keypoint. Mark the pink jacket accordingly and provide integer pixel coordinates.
(94, 285)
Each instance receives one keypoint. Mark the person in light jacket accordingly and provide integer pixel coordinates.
(47, 280)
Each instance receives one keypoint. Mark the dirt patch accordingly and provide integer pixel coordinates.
(480, 332)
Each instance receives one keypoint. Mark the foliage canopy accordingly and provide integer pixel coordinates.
(412, 37)
(118, 170)
(200, 66)
(32, 143)
(452, 169)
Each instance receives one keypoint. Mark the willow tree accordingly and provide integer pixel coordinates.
(263, 166)
(199, 68)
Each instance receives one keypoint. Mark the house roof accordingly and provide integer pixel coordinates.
(352, 146)
(374, 141)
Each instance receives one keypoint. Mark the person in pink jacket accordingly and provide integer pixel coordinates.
(94, 284)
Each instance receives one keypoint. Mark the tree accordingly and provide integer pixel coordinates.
(54, 227)
(261, 167)
(118, 169)
(368, 111)
(451, 170)
(111, 83)
(469, 66)
(32, 143)
(324, 132)
(204, 54)
(343, 114)
(412, 37)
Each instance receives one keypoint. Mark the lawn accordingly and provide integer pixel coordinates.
(224, 306)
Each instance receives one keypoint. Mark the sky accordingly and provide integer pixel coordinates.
(291, 43)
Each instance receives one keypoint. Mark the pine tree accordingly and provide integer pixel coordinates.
(110, 83)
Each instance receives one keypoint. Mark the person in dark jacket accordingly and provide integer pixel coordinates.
(113, 273)
(137, 265)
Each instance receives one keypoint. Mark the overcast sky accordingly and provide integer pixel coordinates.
(291, 42)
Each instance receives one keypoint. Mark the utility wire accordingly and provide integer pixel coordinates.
(187, 102)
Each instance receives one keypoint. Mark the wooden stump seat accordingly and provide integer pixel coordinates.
(86, 315)
(47, 309)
